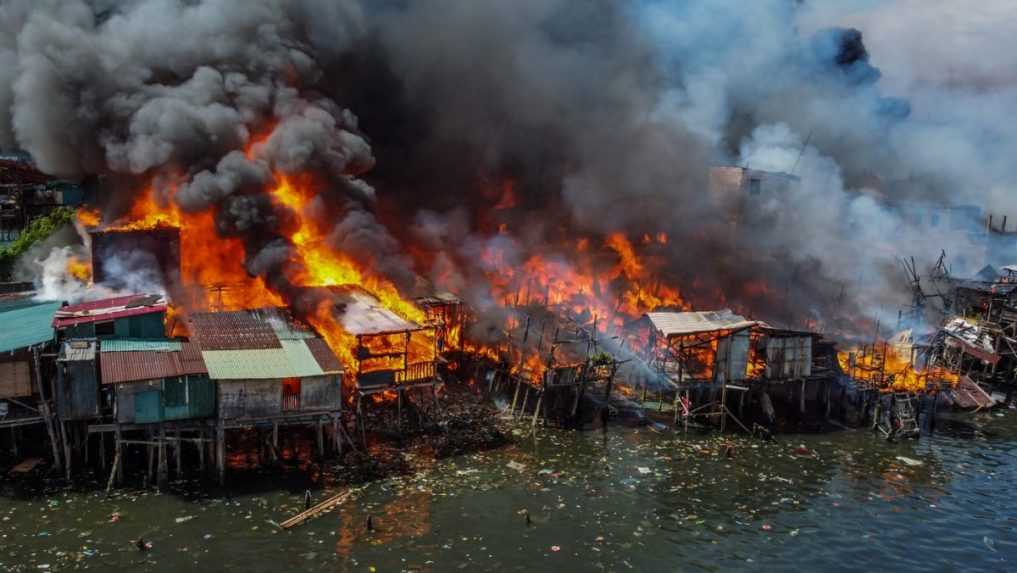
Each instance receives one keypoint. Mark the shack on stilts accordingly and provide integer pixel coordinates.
(27, 407)
(270, 372)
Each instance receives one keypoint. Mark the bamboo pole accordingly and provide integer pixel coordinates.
(319, 509)
(45, 411)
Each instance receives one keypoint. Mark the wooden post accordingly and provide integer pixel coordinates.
(68, 462)
(177, 450)
(163, 471)
(723, 402)
(275, 440)
(118, 461)
(150, 450)
(320, 439)
(515, 397)
(399, 408)
(526, 397)
(338, 439)
(536, 411)
(47, 414)
(102, 450)
(201, 451)
(803, 397)
(220, 452)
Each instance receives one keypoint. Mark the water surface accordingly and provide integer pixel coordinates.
(625, 500)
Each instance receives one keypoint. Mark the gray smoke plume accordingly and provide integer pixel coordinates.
(606, 116)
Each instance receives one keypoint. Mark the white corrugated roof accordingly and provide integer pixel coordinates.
(365, 315)
(292, 360)
(672, 323)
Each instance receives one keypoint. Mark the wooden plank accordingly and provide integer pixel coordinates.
(319, 509)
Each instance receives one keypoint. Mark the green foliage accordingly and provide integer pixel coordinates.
(36, 231)
(602, 359)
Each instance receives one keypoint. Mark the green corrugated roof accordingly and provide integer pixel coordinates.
(27, 326)
(136, 345)
(293, 360)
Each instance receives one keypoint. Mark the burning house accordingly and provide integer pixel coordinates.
(121, 256)
(709, 357)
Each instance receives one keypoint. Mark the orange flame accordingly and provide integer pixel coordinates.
(885, 366)
(80, 269)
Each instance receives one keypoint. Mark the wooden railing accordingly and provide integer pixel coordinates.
(417, 372)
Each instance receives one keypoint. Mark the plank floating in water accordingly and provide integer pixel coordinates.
(323, 507)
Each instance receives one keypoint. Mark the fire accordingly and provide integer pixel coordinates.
(88, 218)
(887, 367)
(80, 269)
(325, 266)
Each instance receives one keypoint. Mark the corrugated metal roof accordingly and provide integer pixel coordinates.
(108, 309)
(77, 350)
(233, 330)
(135, 366)
(682, 323)
(26, 326)
(136, 345)
(364, 314)
(326, 359)
(292, 360)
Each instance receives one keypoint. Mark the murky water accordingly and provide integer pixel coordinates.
(630, 499)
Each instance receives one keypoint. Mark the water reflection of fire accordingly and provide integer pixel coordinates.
(408, 516)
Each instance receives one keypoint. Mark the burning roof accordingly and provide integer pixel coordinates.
(364, 314)
(685, 323)
(108, 309)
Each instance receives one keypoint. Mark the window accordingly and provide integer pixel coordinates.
(755, 186)
(104, 328)
(291, 394)
(174, 391)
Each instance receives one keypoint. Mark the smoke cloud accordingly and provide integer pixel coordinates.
(604, 117)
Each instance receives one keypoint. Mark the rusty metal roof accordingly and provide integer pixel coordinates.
(232, 330)
(324, 356)
(137, 365)
(108, 309)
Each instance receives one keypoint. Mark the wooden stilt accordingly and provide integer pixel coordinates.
(118, 461)
(113, 472)
(102, 450)
(399, 408)
(361, 421)
(515, 397)
(163, 472)
(201, 451)
(536, 412)
(220, 452)
(47, 414)
(320, 439)
(68, 462)
(151, 463)
(803, 397)
(178, 454)
(338, 438)
(526, 398)
(275, 439)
